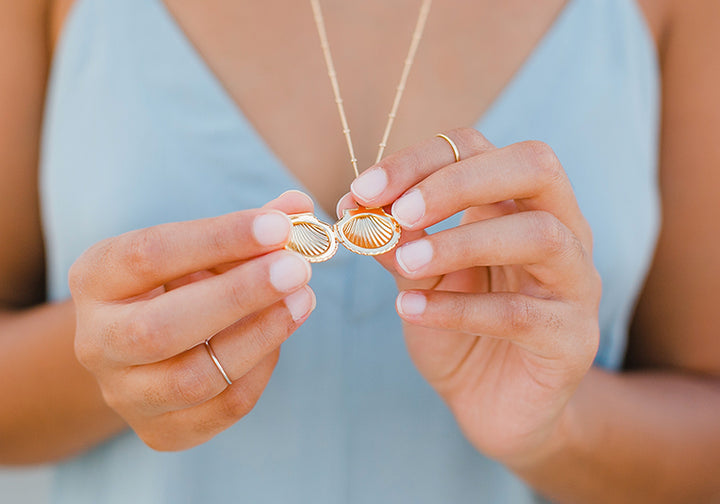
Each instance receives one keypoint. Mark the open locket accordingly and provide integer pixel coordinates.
(366, 231)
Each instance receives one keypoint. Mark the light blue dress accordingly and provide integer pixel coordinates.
(139, 132)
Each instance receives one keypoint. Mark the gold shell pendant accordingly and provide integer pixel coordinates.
(311, 238)
(366, 231)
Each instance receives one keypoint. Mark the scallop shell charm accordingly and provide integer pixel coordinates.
(312, 238)
(368, 231)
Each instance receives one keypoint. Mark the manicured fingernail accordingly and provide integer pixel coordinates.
(345, 202)
(370, 184)
(295, 191)
(271, 229)
(409, 209)
(289, 272)
(411, 303)
(414, 255)
(300, 303)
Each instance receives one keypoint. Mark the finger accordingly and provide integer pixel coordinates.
(292, 202)
(536, 240)
(141, 260)
(191, 377)
(192, 278)
(387, 260)
(489, 211)
(180, 319)
(383, 183)
(537, 325)
(182, 429)
(528, 173)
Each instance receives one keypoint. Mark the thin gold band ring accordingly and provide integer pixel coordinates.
(217, 362)
(456, 152)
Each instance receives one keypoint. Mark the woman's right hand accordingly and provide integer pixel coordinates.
(147, 300)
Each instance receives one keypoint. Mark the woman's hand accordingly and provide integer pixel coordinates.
(501, 312)
(147, 300)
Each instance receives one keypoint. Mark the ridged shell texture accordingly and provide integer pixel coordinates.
(368, 231)
(309, 239)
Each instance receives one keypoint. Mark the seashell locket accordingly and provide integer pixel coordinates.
(366, 231)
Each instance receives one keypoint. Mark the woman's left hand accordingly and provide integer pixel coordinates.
(501, 312)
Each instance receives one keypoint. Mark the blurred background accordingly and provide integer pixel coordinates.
(26, 486)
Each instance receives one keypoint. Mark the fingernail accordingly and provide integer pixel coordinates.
(341, 205)
(409, 209)
(271, 229)
(300, 303)
(337, 207)
(414, 255)
(370, 184)
(289, 272)
(294, 191)
(411, 303)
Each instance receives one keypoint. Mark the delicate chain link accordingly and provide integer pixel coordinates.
(417, 35)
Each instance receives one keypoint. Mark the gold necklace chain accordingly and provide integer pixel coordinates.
(366, 231)
(415, 42)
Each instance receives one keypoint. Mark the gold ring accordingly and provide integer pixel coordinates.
(216, 361)
(456, 152)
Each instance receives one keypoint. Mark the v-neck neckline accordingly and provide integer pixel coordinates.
(545, 43)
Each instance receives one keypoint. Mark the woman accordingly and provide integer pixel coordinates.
(168, 128)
